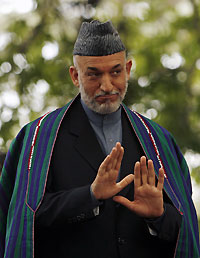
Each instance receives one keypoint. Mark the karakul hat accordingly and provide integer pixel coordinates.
(97, 39)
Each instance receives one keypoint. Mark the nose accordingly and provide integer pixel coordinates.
(106, 84)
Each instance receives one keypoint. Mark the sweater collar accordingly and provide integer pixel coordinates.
(100, 119)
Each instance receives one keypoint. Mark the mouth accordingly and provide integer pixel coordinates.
(107, 97)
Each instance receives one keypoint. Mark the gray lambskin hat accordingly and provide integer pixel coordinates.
(97, 39)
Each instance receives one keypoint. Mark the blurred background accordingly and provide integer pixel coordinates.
(162, 38)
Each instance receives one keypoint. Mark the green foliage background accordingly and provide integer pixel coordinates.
(154, 32)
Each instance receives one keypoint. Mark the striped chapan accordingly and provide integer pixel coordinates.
(24, 176)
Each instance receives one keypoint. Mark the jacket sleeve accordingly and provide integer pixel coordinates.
(70, 206)
(167, 226)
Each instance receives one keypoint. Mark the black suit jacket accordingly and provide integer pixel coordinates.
(65, 223)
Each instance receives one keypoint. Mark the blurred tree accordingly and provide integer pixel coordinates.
(162, 38)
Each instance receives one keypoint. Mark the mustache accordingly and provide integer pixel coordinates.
(103, 93)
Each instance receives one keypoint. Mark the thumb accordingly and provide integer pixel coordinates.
(131, 205)
(125, 181)
(123, 201)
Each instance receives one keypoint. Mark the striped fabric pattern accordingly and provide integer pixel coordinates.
(177, 182)
(24, 176)
(20, 198)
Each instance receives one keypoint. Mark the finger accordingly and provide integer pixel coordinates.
(125, 202)
(151, 173)
(115, 150)
(137, 176)
(119, 159)
(122, 200)
(117, 154)
(161, 179)
(125, 181)
(112, 159)
(104, 165)
(118, 145)
(115, 157)
(144, 170)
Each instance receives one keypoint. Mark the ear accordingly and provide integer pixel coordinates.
(74, 75)
(128, 68)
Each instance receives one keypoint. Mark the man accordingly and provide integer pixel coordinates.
(69, 188)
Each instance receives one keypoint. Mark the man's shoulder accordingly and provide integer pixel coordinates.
(38, 120)
(146, 122)
(40, 128)
(48, 117)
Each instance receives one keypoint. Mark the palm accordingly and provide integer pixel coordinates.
(148, 199)
(106, 182)
(105, 185)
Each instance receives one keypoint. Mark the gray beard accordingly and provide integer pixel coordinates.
(104, 108)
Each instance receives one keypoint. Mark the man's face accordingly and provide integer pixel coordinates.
(102, 81)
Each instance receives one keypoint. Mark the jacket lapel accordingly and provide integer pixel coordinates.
(132, 151)
(86, 144)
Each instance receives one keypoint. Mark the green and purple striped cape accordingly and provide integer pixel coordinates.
(24, 176)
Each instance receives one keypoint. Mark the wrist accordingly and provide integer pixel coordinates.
(152, 219)
(94, 199)
(93, 192)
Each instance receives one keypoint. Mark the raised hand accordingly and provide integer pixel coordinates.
(148, 198)
(105, 185)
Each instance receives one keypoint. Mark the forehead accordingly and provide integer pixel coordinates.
(101, 62)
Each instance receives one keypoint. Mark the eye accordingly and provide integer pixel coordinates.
(116, 72)
(93, 74)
